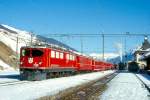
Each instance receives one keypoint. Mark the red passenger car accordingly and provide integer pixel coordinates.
(84, 63)
(99, 66)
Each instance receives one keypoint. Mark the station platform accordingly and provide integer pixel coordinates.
(126, 86)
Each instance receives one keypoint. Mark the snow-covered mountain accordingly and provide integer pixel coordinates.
(114, 57)
(10, 42)
(10, 36)
(107, 56)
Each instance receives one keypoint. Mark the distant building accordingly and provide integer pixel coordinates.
(146, 55)
(140, 52)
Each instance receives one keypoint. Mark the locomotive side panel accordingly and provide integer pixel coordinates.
(62, 60)
(55, 59)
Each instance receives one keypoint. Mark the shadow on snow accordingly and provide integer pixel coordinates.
(16, 76)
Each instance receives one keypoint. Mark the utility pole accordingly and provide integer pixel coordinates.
(125, 46)
(103, 46)
(31, 39)
(81, 45)
(17, 40)
(17, 58)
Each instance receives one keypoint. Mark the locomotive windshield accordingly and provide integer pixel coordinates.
(36, 53)
(32, 52)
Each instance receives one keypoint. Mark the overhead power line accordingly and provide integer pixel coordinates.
(95, 35)
(99, 35)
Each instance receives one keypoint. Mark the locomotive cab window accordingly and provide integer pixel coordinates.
(36, 53)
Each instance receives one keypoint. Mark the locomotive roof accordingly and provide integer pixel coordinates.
(54, 42)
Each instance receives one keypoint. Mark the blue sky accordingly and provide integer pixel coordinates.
(80, 17)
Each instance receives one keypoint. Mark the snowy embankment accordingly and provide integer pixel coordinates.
(145, 78)
(33, 90)
(125, 86)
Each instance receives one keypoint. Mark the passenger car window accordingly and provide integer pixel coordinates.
(70, 57)
(52, 54)
(57, 54)
(61, 55)
(73, 57)
(67, 56)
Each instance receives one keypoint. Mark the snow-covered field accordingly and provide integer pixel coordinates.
(125, 86)
(33, 90)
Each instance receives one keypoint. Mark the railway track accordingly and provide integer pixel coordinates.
(88, 91)
(13, 83)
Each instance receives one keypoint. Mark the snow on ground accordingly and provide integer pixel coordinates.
(38, 89)
(145, 78)
(125, 86)
(9, 72)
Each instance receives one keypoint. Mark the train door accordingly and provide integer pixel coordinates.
(47, 57)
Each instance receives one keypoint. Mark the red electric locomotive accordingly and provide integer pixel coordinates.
(37, 63)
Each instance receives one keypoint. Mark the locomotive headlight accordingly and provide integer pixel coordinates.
(40, 63)
(21, 62)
